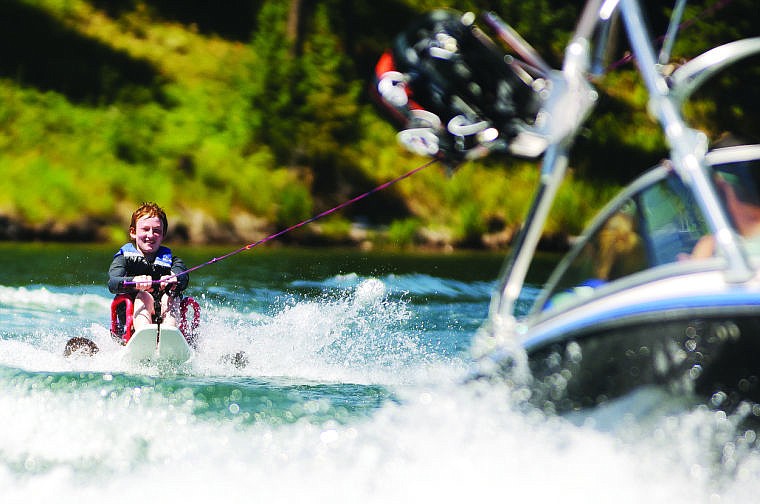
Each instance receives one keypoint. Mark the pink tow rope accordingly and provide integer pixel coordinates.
(307, 221)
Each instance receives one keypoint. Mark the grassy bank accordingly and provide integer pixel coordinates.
(239, 130)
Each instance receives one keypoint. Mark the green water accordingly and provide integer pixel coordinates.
(355, 391)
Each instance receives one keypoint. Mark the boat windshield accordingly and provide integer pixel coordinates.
(737, 184)
(657, 224)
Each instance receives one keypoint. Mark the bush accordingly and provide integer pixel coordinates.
(404, 232)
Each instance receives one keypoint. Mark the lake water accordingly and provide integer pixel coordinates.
(354, 392)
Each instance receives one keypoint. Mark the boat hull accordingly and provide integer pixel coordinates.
(715, 356)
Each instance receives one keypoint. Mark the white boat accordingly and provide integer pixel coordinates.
(603, 326)
(633, 303)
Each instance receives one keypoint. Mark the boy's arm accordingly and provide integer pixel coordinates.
(117, 276)
(178, 266)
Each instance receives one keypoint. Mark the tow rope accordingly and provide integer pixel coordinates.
(304, 222)
(720, 4)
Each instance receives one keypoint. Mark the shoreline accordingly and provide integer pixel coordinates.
(94, 231)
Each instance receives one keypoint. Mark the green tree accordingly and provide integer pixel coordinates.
(272, 90)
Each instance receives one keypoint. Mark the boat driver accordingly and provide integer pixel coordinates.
(737, 185)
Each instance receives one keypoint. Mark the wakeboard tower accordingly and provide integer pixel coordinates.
(635, 302)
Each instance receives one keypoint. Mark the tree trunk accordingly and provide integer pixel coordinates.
(293, 30)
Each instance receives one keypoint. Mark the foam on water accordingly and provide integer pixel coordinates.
(411, 284)
(442, 443)
(355, 336)
(89, 430)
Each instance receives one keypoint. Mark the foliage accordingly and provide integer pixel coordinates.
(106, 103)
(404, 232)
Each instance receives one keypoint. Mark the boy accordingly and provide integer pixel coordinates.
(144, 260)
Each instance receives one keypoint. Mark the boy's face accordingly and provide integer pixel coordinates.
(147, 234)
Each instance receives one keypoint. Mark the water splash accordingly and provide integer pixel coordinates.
(351, 395)
(357, 335)
(410, 285)
(437, 443)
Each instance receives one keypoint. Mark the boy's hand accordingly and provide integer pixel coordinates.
(143, 283)
(168, 282)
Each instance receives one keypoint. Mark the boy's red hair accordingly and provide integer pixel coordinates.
(149, 209)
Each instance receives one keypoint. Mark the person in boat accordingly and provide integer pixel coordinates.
(619, 248)
(738, 188)
(145, 269)
(616, 250)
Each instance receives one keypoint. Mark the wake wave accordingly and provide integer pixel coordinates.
(416, 285)
(356, 334)
(359, 335)
(45, 297)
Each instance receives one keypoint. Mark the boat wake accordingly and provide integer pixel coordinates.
(358, 334)
(340, 388)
